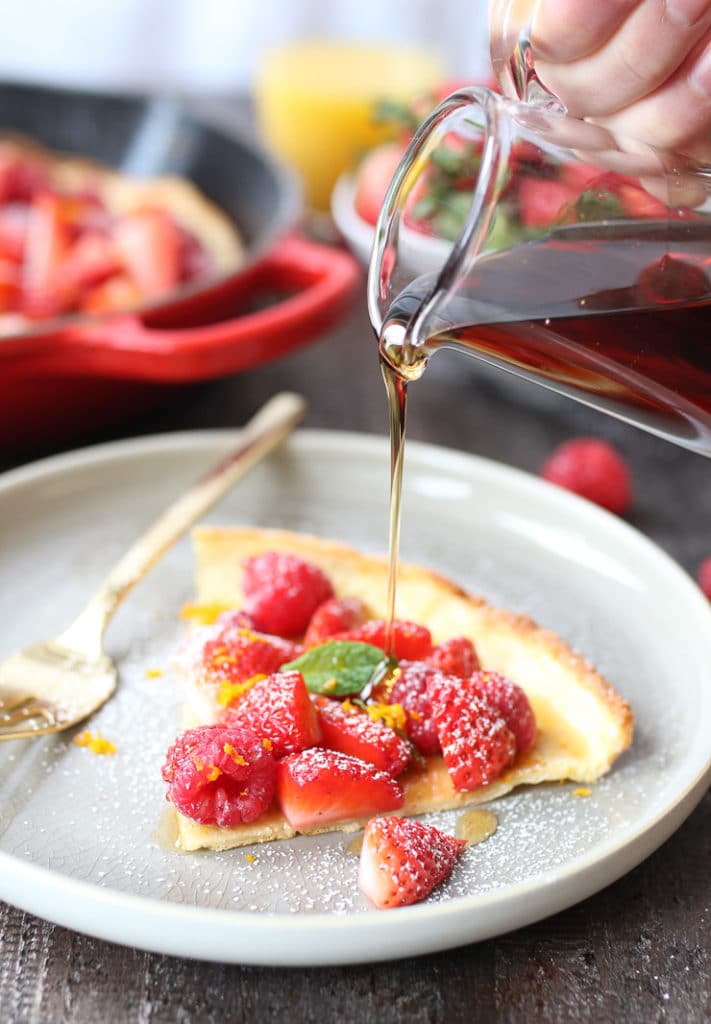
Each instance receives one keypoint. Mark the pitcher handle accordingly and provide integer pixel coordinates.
(512, 56)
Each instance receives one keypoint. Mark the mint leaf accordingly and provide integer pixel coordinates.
(337, 668)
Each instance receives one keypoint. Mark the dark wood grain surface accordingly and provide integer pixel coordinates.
(638, 952)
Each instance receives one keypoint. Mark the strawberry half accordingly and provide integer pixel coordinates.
(510, 702)
(219, 775)
(455, 657)
(336, 615)
(410, 640)
(477, 745)
(279, 710)
(402, 860)
(410, 691)
(320, 786)
(351, 730)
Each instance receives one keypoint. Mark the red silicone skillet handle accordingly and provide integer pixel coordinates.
(195, 342)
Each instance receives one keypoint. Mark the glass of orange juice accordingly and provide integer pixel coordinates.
(316, 100)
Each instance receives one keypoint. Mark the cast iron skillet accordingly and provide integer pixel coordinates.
(153, 136)
(68, 378)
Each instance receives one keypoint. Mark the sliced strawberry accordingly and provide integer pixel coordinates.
(350, 729)
(455, 657)
(278, 709)
(46, 243)
(149, 245)
(20, 178)
(544, 201)
(337, 615)
(477, 745)
(282, 591)
(14, 218)
(10, 290)
(219, 775)
(119, 292)
(402, 860)
(91, 259)
(373, 178)
(510, 702)
(410, 640)
(320, 786)
(410, 691)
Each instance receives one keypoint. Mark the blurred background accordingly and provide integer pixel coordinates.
(217, 46)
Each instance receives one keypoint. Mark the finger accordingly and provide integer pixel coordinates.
(678, 114)
(566, 30)
(627, 67)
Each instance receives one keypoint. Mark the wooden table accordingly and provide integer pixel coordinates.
(638, 951)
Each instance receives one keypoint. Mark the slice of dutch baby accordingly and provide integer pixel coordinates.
(583, 724)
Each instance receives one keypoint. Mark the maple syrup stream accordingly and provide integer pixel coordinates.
(396, 389)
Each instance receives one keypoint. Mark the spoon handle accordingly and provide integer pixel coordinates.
(267, 428)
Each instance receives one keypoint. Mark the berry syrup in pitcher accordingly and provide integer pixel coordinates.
(618, 318)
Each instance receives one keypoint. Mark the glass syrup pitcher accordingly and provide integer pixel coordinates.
(580, 260)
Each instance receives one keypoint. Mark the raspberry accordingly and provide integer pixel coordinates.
(282, 591)
(704, 577)
(336, 615)
(593, 469)
(455, 657)
(235, 655)
(410, 640)
(235, 619)
(510, 702)
(477, 745)
(219, 775)
(278, 709)
(410, 691)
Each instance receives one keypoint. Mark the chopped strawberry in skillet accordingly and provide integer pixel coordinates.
(46, 244)
(278, 709)
(149, 247)
(320, 786)
(219, 775)
(477, 745)
(282, 591)
(403, 860)
(352, 730)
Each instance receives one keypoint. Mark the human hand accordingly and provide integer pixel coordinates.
(640, 67)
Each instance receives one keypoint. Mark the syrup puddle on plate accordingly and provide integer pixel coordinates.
(475, 826)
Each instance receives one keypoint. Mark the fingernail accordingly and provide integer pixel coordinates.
(700, 74)
(685, 12)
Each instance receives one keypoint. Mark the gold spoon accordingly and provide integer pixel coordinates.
(51, 686)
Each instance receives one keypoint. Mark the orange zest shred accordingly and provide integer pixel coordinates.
(224, 659)
(330, 685)
(214, 773)
(153, 673)
(582, 791)
(391, 714)
(203, 614)
(95, 742)
(198, 763)
(267, 743)
(250, 858)
(348, 706)
(235, 755)
(229, 692)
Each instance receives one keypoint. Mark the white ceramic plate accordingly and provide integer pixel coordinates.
(80, 836)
